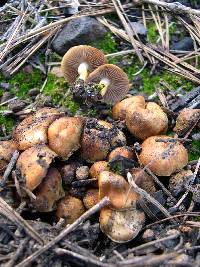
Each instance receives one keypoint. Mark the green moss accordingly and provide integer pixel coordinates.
(22, 82)
(107, 44)
(6, 121)
(194, 152)
(152, 33)
(58, 89)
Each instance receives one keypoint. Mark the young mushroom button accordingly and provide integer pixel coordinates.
(79, 61)
(112, 82)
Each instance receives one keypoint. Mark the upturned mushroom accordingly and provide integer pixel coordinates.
(70, 208)
(81, 60)
(49, 191)
(98, 138)
(162, 156)
(121, 225)
(33, 165)
(147, 120)
(186, 118)
(109, 82)
(7, 148)
(64, 136)
(33, 129)
(119, 109)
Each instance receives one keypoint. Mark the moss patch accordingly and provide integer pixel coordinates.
(194, 152)
(108, 44)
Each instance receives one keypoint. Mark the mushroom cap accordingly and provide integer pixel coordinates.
(163, 158)
(121, 225)
(144, 121)
(119, 109)
(123, 151)
(186, 118)
(98, 138)
(70, 208)
(178, 180)
(80, 54)
(91, 198)
(118, 82)
(117, 189)
(97, 168)
(64, 135)
(33, 129)
(143, 180)
(7, 148)
(33, 164)
(49, 191)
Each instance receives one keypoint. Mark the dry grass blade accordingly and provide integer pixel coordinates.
(104, 202)
(166, 57)
(175, 7)
(19, 221)
(128, 30)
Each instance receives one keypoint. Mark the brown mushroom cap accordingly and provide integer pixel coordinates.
(186, 118)
(147, 121)
(121, 225)
(97, 168)
(123, 151)
(143, 180)
(7, 148)
(120, 108)
(118, 85)
(98, 138)
(64, 135)
(70, 208)
(117, 189)
(33, 164)
(163, 158)
(81, 54)
(91, 198)
(33, 129)
(49, 191)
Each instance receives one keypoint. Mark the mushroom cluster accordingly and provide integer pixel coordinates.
(67, 164)
(90, 77)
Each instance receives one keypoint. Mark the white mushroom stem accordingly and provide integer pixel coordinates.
(105, 82)
(83, 71)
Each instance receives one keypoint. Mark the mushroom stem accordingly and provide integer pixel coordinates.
(83, 71)
(105, 82)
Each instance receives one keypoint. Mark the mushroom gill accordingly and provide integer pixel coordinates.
(110, 82)
(79, 61)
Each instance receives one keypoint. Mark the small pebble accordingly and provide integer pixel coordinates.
(148, 235)
(4, 85)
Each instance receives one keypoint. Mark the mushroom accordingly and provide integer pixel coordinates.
(91, 198)
(79, 61)
(165, 157)
(123, 151)
(7, 148)
(64, 135)
(120, 108)
(97, 168)
(49, 191)
(98, 138)
(121, 225)
(144, 121)
(178, 181)
(117, 189)
(33, 165)
(110, 82)
(186, 118)
(143, 180)
(70, 208)
(33, 129)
